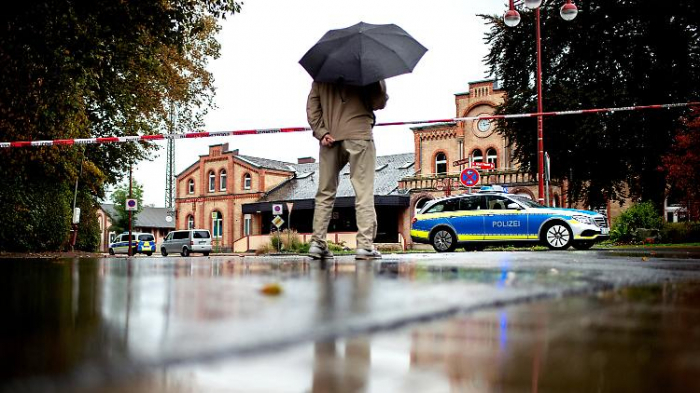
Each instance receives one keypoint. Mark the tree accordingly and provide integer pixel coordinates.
(78, 69)
(119, 197)
(682, 164)
(615, 53)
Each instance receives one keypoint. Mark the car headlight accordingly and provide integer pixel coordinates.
(584, 220)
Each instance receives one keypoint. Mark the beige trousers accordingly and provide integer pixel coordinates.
(362, 157)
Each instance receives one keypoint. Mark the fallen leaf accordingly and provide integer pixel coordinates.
(271, 289)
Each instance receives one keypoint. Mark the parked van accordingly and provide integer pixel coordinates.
(186, 242)
(143, 243)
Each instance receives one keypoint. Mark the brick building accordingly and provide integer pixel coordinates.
(232, 194)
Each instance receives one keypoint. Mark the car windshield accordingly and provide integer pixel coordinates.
(146, 238)
(527, 201)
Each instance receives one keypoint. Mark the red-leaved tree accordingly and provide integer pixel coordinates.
(683, 165)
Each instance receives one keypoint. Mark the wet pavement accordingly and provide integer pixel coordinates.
(462, 322)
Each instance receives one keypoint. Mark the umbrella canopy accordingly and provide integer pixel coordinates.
(362, 54)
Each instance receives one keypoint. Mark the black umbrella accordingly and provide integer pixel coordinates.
(362, 54)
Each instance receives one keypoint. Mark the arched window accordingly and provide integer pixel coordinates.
(441, 163)
(217, 225)
(212, 181)
(222, 180)
(190, 222)
(477, 156)
(247, 181)
(492, 156)
(190, 186)
(421, 203)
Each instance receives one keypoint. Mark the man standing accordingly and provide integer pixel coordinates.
(342, 118)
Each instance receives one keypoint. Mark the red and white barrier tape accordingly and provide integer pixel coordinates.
(137, 138)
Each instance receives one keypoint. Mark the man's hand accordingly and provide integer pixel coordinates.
(327, 140)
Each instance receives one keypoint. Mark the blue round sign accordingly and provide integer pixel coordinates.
(469, 177)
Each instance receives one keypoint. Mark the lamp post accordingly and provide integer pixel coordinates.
(511, 18)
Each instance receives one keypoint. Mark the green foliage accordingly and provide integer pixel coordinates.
(288, 241)
(76, 69)
(680, 232)
(639, 215)
(35, 215)
(614, 54)
(89, 229)
(120, 223)
(291, 242)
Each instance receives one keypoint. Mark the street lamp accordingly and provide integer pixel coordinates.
(511, 18)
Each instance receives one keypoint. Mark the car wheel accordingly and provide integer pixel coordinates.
(557, 236)
(444, 240)
(206, 254)
(163, 252)
(185, 252)
(149, 254)
(583, 245)
(111, 251)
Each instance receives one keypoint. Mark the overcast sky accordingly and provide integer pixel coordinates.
(260, 83)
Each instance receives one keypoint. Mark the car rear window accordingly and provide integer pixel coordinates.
(146, 238)
(201, 235)
(180, 235)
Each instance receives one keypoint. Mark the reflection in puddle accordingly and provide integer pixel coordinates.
(77, 321)
(639, 340)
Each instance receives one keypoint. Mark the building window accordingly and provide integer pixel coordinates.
(222, 180)
(247, 180)
(492, 156)
(212, 181)
(190, 186)
(217, 225)
(477, 156)
(247, 224)
(440, 163)
(420, 204)
(190, 222)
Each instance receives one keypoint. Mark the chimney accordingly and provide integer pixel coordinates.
(224, 148)
(306, 160)
(235, 152)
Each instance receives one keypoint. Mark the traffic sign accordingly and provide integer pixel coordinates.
(483, 165)
(278, 221)
(277, 209)
(131, 205)
(469, 177)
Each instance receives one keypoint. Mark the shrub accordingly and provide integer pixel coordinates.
(335, 247)
(287, 241)
(639, 215)
(89, 231)
(680, 232)
(35, 215)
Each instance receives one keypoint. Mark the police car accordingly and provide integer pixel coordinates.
(492, 216)
(143, 243)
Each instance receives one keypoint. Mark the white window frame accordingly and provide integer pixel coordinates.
(190, 222)
(222, 180)
(474, 157)
(440, 162)
(247, 224)
(190, 186)
(212, 181)
(492, 157)
(220, 221)
(247, 181)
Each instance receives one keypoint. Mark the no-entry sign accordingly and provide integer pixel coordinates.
(469, 177)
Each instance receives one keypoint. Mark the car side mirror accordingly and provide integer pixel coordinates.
(514, 206)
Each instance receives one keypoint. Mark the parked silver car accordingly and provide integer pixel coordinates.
(186, 242)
